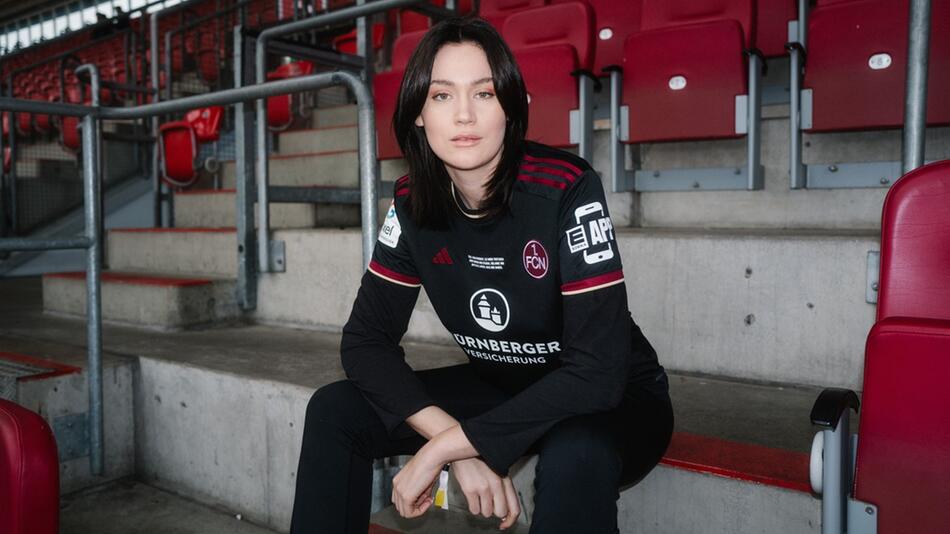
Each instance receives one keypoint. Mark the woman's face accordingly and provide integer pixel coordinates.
(463, 120)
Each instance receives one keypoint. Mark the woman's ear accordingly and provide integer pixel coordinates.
(419, 122)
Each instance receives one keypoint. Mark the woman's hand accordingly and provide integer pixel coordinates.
(487, 493)
(412, 486)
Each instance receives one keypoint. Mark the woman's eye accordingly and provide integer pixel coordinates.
(440, 97)
(485, 94)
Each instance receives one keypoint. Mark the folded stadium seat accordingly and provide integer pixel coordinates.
(552, 44)
(69, 126)
(29, 473)
(899, 479)
(280, 109)
(688, 75)
(496, 12)
(385, 92)
(346, 43)
(854, 78)
(412, 21)
(179, 144)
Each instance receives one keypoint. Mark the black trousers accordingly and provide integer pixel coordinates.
(583, 461)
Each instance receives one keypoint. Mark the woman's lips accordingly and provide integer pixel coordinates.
(465, 140)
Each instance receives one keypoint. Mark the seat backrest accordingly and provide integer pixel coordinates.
(403, 48)
(179, 149)
(206, 123)
(29, 473)
(613, 22)
(569, 23)
(658, 14)
(903, 455)
(497, 11)
(915, 246)
(771, 25)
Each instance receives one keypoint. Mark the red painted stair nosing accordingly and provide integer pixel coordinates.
(741, 461)
(136, 279)
(55, 368)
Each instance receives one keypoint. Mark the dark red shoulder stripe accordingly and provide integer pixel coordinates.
(402, 186)
(550, 161)
(389, 273)
(593, 281)
(544, 181)
(549, 170)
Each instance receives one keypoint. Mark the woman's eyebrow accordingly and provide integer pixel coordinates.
(452, 84)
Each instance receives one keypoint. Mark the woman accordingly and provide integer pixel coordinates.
(514, 245)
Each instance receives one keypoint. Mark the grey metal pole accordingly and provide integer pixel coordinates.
(618, 172)
(796, 170)
(156, 96)
(369, 165)
(754, 136)
(90, 158)
(836, 477)
(93, 214)
(915, 92)
(585, 115)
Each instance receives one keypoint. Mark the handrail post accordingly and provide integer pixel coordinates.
(156, 96)
(915, 92)
(93, 216)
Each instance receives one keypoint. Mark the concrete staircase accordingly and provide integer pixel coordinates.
(755, 299)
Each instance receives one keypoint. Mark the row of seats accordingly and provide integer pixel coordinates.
(684, 62)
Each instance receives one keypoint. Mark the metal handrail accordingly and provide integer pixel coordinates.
(92, 240)
(367, 140)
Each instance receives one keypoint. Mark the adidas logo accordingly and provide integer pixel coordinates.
(442, 258)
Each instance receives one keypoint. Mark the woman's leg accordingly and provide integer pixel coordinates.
(342, 436)
(584, 460)
(335, 472)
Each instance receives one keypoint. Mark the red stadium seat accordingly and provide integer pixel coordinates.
(496, 12)
(411, 21)
(550, 44)
(903, 448)
(180, 140)
(857, 61)
(280, 109)
(385, 92)
(29, 473)
(346, 43)
(771, 25)
(683, 71)
(614, 22)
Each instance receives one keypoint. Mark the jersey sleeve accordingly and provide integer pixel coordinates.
(587, 248)
(371, 355)
(392, 260)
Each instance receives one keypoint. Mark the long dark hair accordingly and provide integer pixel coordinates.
(430, 199)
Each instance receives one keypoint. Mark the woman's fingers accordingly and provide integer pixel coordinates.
(514, 506)
(499, 502)
(486, 503)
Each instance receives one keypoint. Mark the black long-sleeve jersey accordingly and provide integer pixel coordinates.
(534, 296)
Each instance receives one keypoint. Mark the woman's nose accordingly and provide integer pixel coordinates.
(464, 114)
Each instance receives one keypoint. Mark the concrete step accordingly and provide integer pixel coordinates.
(318, 140)
(330, 116)
(339, 168)
(209, 400)
(153, 301)
(49, 379)
(785, 306)
(201, 252)
(214, 208)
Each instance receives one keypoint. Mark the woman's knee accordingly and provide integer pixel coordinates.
(580, 449)
(337, 404)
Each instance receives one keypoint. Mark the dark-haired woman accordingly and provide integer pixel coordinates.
(514, 245)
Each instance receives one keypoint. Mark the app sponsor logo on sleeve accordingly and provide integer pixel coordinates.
(593, 235)
(390, 232)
